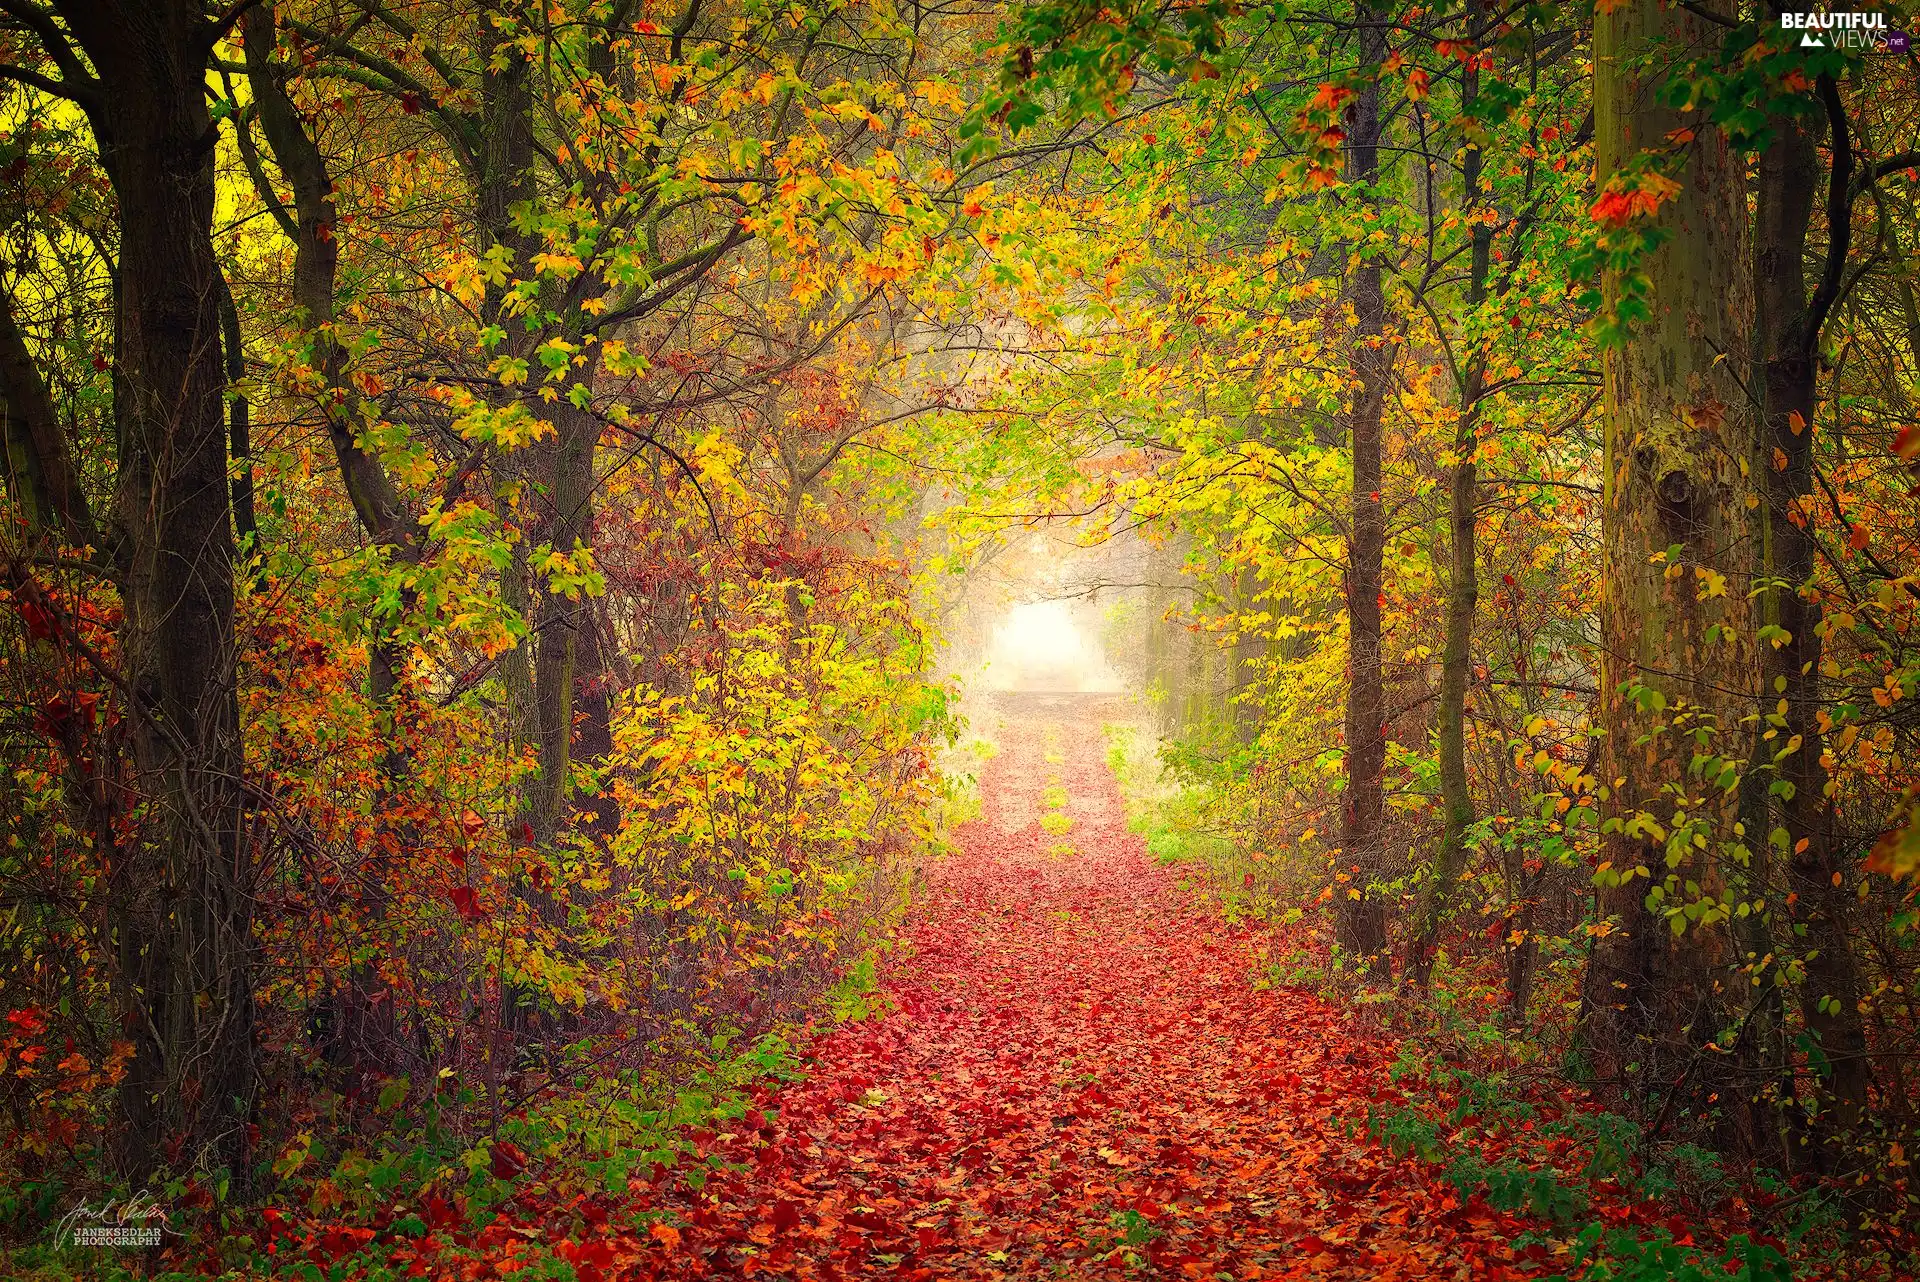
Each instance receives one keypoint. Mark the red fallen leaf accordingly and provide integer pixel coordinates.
(439, 1213)
(338, 1243)
(597, 1253)
(971, 1096)
(508, 1160)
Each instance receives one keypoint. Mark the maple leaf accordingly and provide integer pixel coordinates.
(1638, 196)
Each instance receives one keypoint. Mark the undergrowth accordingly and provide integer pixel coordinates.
(1489, 1105)
(342, 1206)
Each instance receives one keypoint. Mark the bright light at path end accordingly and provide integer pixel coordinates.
(1039, 647)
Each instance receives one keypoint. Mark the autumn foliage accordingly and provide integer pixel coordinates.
(505, 504)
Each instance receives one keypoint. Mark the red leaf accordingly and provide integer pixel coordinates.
(508, 1161)
(465, 903)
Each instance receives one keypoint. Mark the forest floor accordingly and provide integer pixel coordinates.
(1079, 1077)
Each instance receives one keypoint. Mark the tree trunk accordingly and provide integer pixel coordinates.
(1796, 823)
(41, 476)
(316, 265)
(180, 901)
(1676, 638)
(1360, 918)
(562, 625)
(246, 522)
(366, 1037)
(1463, 584)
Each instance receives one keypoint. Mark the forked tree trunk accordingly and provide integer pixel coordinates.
(364, 1032)
(1677, 649)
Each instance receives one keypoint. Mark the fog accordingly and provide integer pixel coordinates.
(1039, 645)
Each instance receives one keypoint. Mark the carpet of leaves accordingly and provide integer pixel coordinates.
(1077, 1078)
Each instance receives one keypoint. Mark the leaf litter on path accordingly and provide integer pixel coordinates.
(1077, 1078)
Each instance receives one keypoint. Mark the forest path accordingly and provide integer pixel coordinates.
(1080, 1080)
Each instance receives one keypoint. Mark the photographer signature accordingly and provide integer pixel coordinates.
(139, 1210)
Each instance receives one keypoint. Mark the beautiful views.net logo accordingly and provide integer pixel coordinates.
(1865, 31)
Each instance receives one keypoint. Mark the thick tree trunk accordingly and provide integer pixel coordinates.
(1677, 653)
(180, 897)
(1361, 917)
(1786, 355)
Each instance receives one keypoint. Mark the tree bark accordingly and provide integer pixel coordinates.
(1677, 653)
(179, 903)
(41, 474)
(1360, 917)
(246, 523)
(1463, 583)
(565, 654)
(1796, 822)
